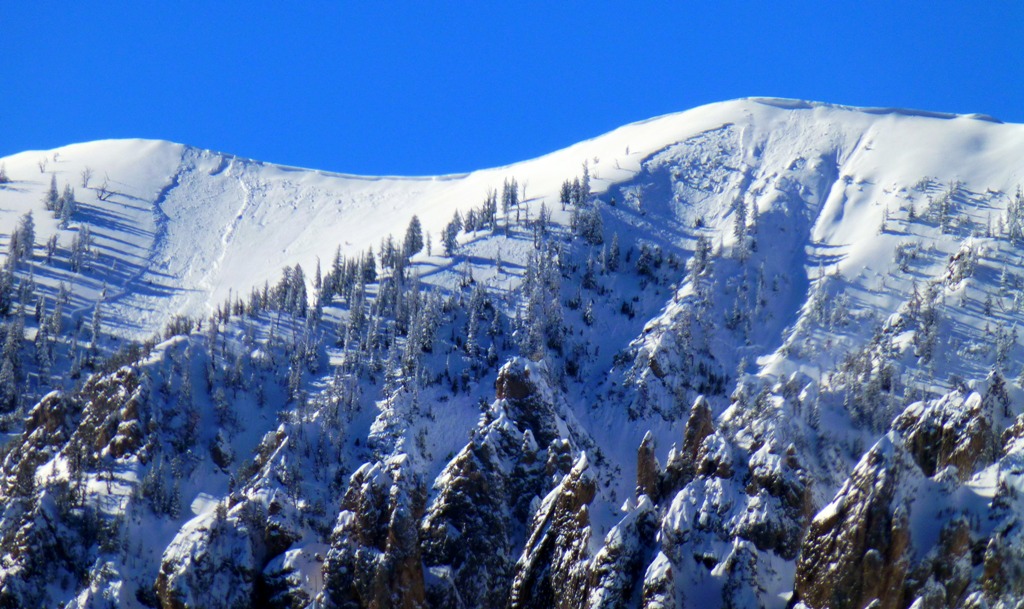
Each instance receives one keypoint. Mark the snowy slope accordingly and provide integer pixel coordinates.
(184, 226)
(814, 271)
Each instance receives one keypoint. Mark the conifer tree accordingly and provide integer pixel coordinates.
(451, 234)
(8, 387)
(413, 238)
(51, 196)
(6, 289)
(80, 248)
(590, 225)
(12, 343)
(490, 210)
(613, 254)
(510, 199)
(565, 194)
(96, 326)
(369, 266)
(740, 229)
(299, 301)
(584, 188)
(42, 345)
(27, 227)
(66, 206)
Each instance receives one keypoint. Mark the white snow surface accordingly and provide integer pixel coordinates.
(185, 227)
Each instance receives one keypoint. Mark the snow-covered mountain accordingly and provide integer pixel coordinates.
(760, 353)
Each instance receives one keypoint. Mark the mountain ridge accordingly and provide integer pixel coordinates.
(777, 102)
(661, 367)
(653, 134)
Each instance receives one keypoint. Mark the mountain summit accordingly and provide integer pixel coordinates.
(759, 353)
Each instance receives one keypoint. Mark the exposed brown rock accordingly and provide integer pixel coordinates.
(783, 478)
(856, 549)
(1002, 577)
(715, 458)
(682, 463)
(952, 431)
(214, 554)
(700, 425)
(374, 561)
(466, 531)
(48, 415)
(617, 569)
(513, 384)
(953, 565)
(551, 573)
(648, 472)
(659, 591)
(127, 440)
(525, 401)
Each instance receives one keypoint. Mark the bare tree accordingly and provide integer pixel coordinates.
(86, 176)
(104, 192)
(42, 165)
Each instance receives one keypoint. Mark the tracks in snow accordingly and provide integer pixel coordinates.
(208, 282)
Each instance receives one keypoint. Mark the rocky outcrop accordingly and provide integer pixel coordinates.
(953, 565)
(215, 561)
(856, 551)
(615, 573)
(699, 425)
(465, 533)
(112, 419)
(374, 560)
(551, 573)
(47, 545)
(648, 472)
(682, 462)
(522, 386)
(50, 423)
(1003, 569)
(739, 570)
(952, 431)
(468, 531)
(779, 504)
(659, 590)
(286, 580)
(46, 532)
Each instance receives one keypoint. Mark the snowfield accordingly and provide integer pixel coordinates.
(183, 228)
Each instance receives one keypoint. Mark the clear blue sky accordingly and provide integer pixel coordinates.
(445, 87)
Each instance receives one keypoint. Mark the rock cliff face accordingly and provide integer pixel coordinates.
(873, 546)
(477, 518)
(215, 562)
(616, 572)
(465, 535)
(393, 548)
(553, 568)
(956, 431)
(682, 463)
(375, 560)
(857, 548)
(529, 400)
(49, 533)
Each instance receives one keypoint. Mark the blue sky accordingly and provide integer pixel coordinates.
(427, 88)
